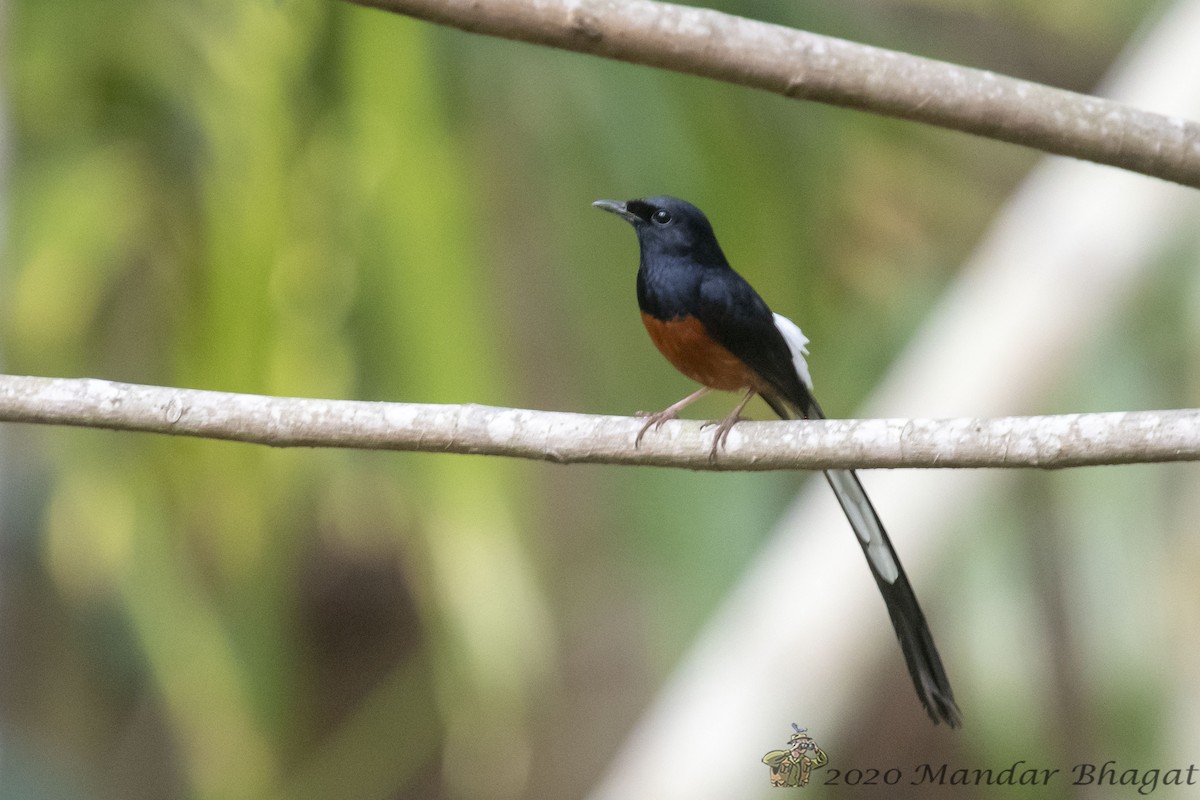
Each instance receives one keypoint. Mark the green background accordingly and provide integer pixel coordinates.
(313, 199)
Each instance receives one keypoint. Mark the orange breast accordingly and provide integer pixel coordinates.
(690, 349)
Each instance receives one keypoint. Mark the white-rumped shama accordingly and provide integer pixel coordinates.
(715, 329)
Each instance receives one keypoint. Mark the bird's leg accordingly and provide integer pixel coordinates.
(726, 425)
(670, 412)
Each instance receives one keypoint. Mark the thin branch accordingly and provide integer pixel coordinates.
(809, 66)
(1069, 440)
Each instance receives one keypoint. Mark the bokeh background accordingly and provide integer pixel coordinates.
(297, 197)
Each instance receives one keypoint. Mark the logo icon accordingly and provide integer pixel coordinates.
(794, 766)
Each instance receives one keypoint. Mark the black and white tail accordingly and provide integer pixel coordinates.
(920, 654)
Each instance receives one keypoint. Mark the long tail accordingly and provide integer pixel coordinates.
(921, 655)
(924, 664)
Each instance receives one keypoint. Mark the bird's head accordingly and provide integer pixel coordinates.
(668, 226)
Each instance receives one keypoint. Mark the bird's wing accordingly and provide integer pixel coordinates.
(739, 320)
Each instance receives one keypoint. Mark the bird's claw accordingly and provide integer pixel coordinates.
(720, 438)
(722, 434)
(655, 421)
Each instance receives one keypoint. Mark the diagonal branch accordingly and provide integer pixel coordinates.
(809, 66)
(1069, 440)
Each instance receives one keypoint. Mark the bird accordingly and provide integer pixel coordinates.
(711, 324)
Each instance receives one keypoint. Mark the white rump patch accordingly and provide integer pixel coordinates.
(797, 342)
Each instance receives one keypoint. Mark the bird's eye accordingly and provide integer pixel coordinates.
(662, 217)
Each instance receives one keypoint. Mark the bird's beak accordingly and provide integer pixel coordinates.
(617, 208)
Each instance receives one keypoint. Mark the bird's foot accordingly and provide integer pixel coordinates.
(655, 421)
(723, 429)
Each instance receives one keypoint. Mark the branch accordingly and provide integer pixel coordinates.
(1069, 440)
(1000, 337)
(809, 66)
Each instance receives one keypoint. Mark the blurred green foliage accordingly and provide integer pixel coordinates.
(306, 198)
